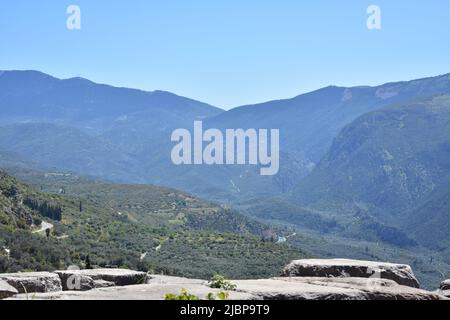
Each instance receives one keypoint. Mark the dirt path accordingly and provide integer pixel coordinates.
(44, 226)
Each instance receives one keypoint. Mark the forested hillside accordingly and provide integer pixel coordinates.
(87, 232)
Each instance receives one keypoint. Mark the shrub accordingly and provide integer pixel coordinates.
(219, 282)
(184, 296)
(219, 296)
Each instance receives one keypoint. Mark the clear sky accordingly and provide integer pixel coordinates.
(228, 52)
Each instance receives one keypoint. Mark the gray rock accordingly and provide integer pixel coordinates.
(103, 284)
(308, 288)
(30, 282)
(75, 281)
(7, 290)
(445, 285)
(341, 268)
(120, 277)
(303, 288)
(153, 291)
(159, 279)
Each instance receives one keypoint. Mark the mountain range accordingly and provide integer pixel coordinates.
(392, 165)
(123, 134)
(363, 163)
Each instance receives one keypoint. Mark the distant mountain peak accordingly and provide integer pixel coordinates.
(79, 80)
(16, 79)
(34, 73)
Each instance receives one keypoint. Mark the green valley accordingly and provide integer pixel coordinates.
(160, 232)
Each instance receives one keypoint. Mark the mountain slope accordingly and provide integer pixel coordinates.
(93, 129)
(96, 231)
(52, 145)
(124, 134)
(129, 119)
(308, 125)
(150, 205)
(385, 164)
(310, 121)
(429, 222)
(38, 97)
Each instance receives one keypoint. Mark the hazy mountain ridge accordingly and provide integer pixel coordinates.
(311, 121)
(308, 123)
(35, 96)
(136, 126)
(387, 163)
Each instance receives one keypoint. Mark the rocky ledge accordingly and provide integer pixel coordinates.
(445, 288)
(400, 273)
(33, 281)
(301, 280)
(7, 290)
(86, 280)
(445, 285)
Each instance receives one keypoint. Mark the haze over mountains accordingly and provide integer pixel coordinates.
(90, 128)
(124, 134)
(368, 163)
(391, 165)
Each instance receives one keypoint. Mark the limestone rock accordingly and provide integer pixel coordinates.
(333, 280)
(75, 281)
(103, 284)
(159, 279)
(445, 285)
(30, 282)
(7, 290)
(120, 277)
(155, 291)
(310, 288)
(342, 268)
(301, 288)
(444, 289)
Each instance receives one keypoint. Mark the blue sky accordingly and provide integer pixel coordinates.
(228, 52)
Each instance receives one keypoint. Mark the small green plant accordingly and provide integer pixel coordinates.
(219, 282)
(183, 296)
(218, 296)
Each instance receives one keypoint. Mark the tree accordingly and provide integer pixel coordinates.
(37, 221)
(45, 208)
(88, 262)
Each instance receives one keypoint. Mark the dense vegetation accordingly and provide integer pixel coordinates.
(46, 209)
(384, 165)
(156, 229)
